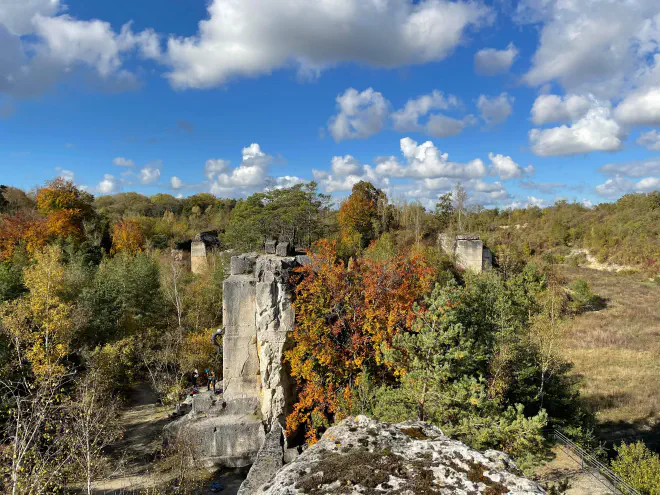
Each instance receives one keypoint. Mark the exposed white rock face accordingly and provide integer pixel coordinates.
(259, 319)
(258, 392)
(275, 319)
(364, 456)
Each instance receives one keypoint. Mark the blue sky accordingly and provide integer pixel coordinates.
(522, 102)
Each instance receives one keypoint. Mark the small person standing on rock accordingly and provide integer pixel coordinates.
(193, 380)
(211, 380)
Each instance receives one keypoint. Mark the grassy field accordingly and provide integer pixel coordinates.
(616, 352)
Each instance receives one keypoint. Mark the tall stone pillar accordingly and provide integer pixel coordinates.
(258, 392)
(240, 370)
(275, 322)
(198, 261)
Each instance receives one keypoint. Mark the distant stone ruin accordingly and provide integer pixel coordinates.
(469, 251)
(191, 253)
(258, 393)
(198, 261)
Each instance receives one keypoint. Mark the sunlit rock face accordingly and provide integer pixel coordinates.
(258, 392)
(361, 455)
(259, 320)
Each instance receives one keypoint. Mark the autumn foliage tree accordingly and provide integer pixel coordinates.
(345, 317)
(21, 230)
(66, 208)
(364, 215)
(127, 237)
(40, 323)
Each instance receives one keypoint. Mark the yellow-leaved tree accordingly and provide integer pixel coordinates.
(40, 323)
(39, 327)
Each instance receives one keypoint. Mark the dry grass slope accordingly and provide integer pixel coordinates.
(616, 351)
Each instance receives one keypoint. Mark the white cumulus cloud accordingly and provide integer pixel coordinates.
(59, 44)
(149, 175)
(650, 140)
(17, 16)
(360, 115)
(66, 174)
(641, 107)
(596, 131)
(596, 46)
(345, 165)
(214, 167)
(251, 174)
(109, 185)
(489, 61)
(496, 109)
(553, 108)
(618, 186)
(426, 161)
(248, 38)
(506, 168)
(176, 183)
(120, 161)
(407, 118)
(638, 168)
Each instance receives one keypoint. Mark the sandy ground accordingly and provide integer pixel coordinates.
(564, 467)
(136, 454)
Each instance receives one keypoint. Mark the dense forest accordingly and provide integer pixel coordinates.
(92, 301)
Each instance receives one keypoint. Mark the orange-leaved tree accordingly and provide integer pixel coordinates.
(345, 317)
(127, 237)
(66, 208)
(26, 229)
(360, 219)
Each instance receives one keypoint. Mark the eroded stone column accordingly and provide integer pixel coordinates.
(240, 371)
(275, 323)
(198, 261)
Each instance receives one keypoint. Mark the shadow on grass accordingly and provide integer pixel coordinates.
(602, 402)
(616, 432)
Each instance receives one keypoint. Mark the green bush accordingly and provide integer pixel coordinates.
(11, 281)
(582, 297)
(639, 466)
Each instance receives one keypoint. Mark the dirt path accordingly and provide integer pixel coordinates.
(136, 457)
(562, 467)
(133, 456)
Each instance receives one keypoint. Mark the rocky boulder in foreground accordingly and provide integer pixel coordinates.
(364, 456)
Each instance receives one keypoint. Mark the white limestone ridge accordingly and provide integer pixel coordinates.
(361, 455)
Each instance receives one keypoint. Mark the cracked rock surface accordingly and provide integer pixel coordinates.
(364, 456)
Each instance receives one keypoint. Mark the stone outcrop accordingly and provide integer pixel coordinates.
(469, 251)
(361, 455)
(258, 392)
(198, 261)
(269, 461)
(259, 319)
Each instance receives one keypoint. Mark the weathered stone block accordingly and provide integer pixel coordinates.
(241, 362)
(270, 246)
(243, 264)
(258, 317)
(268, 462)
(469, 253)
(284, 249)
(410, 447)
(303, 259)
(198, 261)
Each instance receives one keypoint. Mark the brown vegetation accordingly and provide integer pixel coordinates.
(616, 351)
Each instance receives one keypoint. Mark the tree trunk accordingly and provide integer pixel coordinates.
(422, 400)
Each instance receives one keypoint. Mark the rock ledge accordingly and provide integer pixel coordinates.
(364, 456)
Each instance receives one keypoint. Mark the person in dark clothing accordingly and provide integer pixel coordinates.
(193, 380)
